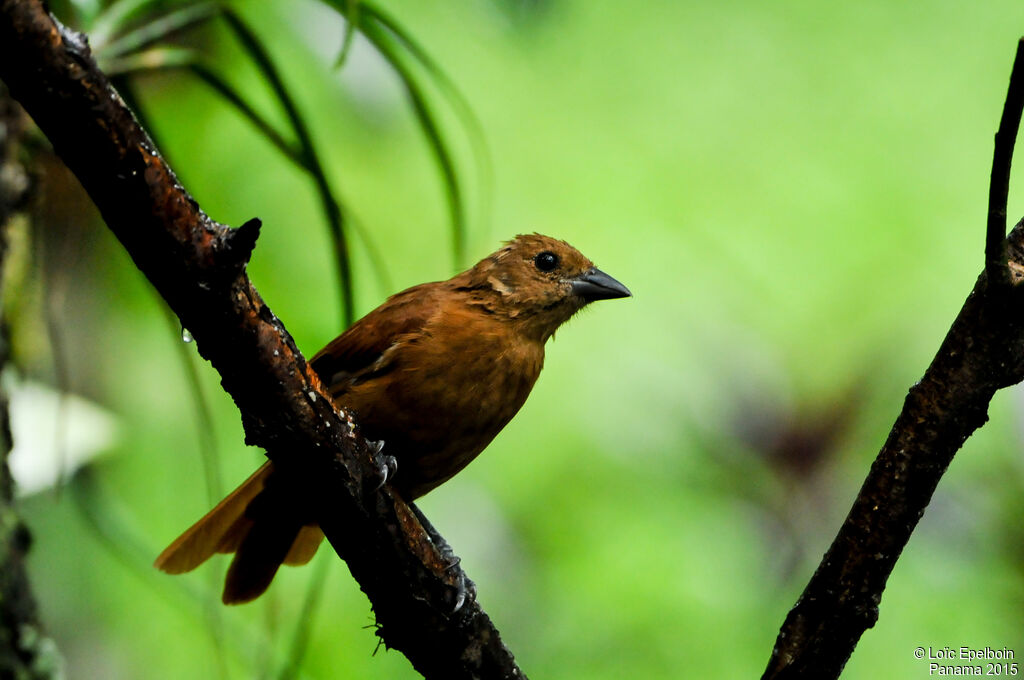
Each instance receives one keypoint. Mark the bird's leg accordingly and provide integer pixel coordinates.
(387, 466)
(465, 589)
(437, 539)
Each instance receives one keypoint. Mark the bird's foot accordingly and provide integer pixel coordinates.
(463, 589)
(386, 466)
(463, 592)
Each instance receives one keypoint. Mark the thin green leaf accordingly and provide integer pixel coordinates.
(231, 96)
(114, 18)
(86, 11)
(208, 453)
(431, 130)
(159, 29)
(118, 534)
(153, 59)
(169, 57)
(377, 264)
(331, 206)
(462, 109)
(440, 77)
(307, 616)
(351, 22)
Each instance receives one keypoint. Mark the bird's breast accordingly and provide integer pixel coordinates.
(447, 393)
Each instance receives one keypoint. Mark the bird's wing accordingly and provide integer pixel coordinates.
(356, 353)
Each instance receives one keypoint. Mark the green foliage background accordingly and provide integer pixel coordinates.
(796, 194)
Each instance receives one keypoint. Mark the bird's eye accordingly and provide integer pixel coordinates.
(546, 261)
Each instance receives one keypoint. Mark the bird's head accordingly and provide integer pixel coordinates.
(541, 282)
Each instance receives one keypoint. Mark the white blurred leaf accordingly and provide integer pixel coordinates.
(53, 434)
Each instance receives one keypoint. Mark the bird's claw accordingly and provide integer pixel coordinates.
(463, 591)
(387, 466)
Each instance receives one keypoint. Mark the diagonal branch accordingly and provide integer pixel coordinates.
(198, 266)
(982, 352)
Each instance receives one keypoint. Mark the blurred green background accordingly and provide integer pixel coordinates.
(796, 194)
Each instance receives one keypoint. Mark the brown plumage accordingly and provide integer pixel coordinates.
(435, 373)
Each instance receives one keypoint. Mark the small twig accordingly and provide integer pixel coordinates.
(999, 184)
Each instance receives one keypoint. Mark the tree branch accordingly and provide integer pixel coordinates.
(198, 266)
(982, 352)
(999, 183)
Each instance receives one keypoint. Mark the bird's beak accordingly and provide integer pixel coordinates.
(594, 284)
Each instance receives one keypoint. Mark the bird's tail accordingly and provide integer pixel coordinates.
(248, 524)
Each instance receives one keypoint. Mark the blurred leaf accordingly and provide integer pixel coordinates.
(233, 97)
(150, 60)
(438, 75)
(115, 18)
(54, 434)
(158, 29)
(431, 130)
(132, 52)
(352, 20)
(462, 109)
(394, 43)
(207, 444)
(331, 206)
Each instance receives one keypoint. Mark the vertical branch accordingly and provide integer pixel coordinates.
(982, 353)
(25, 651)
(999, 184)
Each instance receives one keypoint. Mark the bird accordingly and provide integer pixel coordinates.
(433, 374)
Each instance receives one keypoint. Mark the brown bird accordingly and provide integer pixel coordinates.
(434, 373)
